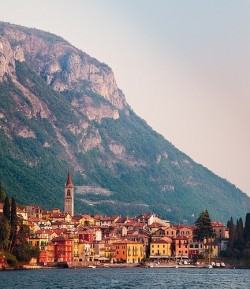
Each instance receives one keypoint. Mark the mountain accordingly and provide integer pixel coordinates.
(61, 108)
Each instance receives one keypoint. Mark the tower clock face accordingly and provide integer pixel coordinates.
(68, 192)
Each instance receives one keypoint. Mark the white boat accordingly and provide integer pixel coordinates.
(91, 266)
(210, 267)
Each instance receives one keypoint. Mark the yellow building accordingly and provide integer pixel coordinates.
(161, 248)
(211, 248)
(38, 241)
(75, 248)
(129, 251)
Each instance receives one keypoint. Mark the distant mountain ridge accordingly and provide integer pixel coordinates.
(61, 108)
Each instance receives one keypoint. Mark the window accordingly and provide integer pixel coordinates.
(153, 251)
(152, 246)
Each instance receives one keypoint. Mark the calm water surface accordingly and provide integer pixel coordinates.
(125, 278)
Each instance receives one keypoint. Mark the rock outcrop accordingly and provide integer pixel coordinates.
(63, 66)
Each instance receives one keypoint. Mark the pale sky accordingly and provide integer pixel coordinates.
(184, 66)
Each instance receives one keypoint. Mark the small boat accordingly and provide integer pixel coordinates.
(222, 264)
(91, 266)
(210, 267)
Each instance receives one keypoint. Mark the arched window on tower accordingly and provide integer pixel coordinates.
(68, 192)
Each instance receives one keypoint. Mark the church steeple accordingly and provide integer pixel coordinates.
(69, 196)
(69, 181)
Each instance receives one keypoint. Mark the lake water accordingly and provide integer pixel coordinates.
(125, 278)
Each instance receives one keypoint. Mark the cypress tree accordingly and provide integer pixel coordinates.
(231, 227)
(1, 193)
(247, 230)
(6, 208)
(4, 232)
(13, 215)
(239, 242)
(13, 224)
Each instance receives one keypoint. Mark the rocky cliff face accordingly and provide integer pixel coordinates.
(63, 66)
(61, 108)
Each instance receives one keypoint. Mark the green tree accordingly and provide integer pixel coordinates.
(11, 259)
(13, 224)
(231, 227)
(6, 208)
(203, 226)
(2, 194)
(24, 232)
(247, 230)
(239, 241)
(4, 232)
(24, 250)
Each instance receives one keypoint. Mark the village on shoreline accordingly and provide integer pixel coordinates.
(68, 240)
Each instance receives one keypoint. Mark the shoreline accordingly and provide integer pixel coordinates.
(126, 266)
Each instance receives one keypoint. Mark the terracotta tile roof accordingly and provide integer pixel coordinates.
(126, 241)
(155, 225)
(59, 231)
(160, 241)
(217, 224)
(121, 220)
(58, 239)
(180, 238)
(106, 218)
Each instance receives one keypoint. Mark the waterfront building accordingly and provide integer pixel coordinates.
(161, 248)
(129, 251)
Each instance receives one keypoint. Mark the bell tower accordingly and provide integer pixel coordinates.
(69, 196)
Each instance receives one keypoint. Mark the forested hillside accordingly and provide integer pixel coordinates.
(61, 109)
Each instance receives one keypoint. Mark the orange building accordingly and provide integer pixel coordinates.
(129, 251)
(47, 254)
(62, 249)
(180, 247)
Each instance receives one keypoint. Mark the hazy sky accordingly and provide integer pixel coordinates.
(184, 66)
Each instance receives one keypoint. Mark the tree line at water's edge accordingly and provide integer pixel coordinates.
(238, 249)
(13, 234)
(15, 247)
